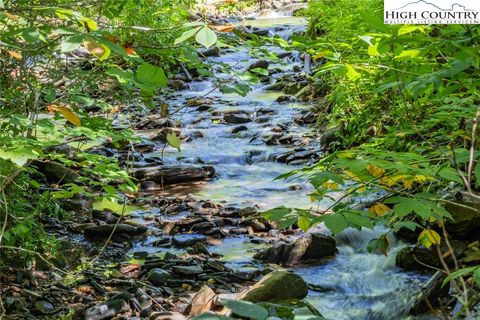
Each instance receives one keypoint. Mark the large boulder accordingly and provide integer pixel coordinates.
(173, 174)
(277, 286)
(419, 258)
(416, 258)
(466, 219)
(311, 246)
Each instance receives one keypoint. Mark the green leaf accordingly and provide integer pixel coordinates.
(260, 71)
(409, 29)
(20, 155)
(276, 214)
(173, 140)
(476, 276)
(357, 219)
(206, 37)
(186, 35)
(151, 75)
(71, 43)
(450, 174)
(246, 309)
(352, 74)
(123, 77)
(304, 223)
(458, 273)
(241, 89)
(477, 174)
(335, 222)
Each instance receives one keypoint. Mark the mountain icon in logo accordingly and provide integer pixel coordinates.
(425, 5)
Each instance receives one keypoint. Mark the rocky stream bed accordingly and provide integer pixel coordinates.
(195, 233)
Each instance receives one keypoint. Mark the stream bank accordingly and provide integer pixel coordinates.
(197, 221)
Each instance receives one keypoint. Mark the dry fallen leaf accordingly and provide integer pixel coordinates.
(225, 28)
(15, 55)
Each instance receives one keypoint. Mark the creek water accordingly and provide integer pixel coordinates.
(356, 284)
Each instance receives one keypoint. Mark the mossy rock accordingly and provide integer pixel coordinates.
(277, 286)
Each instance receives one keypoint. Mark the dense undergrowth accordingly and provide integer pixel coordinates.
(55, 104)
(400, 119)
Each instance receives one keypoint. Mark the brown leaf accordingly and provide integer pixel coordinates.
(225, 28)
(202, 301)
(15, 54)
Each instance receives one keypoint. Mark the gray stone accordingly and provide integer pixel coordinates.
(311, 246)
(188, 240)
(106, 310)
(159, 276)
(277, 286)
(236, 118)
(187, 270)
(260, 64)
(106, 229)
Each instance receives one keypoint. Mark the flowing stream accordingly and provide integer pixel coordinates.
(355, 284)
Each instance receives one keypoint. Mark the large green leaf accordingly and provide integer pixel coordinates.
(186, 35)
(174, 141)
(71, 43)
(151, 75)
(335, 222)
(246, 309)
(206, 37)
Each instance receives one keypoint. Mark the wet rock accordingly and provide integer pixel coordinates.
(407, 258)
(155, 122)
(302, 155)
(173, 174)
(466, 221)
(188, 240)
(106, 310)
(106, 229)
(202, 302)
(247, 211)
(203, 226)
(187, 270)
(159, 276)
(239, 129)
(177, 84)
(311, 246)
(260, 64)
(140, 254)
(308, 93)
(283, 99)
(277, 86)
(44, 307)
(277, 286)
(329, 136)
(104, 215)
(56, 172)
(236, 118)
(167, 316)
(261, 32)
(431, 294)
(293, 87)
(211, 52)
